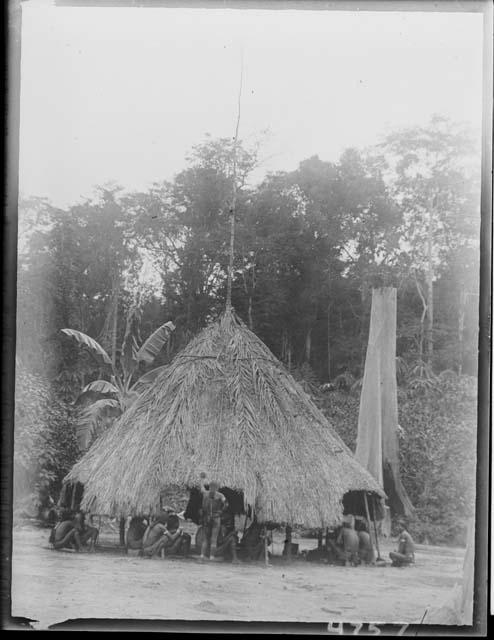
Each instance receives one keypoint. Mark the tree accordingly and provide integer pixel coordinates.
(434, 178)
(45, 443)
(108, 399)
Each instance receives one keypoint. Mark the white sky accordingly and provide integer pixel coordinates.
(122, 94)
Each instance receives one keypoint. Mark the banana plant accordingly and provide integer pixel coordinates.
(117, 394)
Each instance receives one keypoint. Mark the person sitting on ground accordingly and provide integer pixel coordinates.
(135, 533)
(73, 533)
(214, 504)
(252, 543)
(405, 554)
(335, 555)
(176, 540)
(348, 543)
(366, 549)
(153, 541)
(89, 534)
(66, 534)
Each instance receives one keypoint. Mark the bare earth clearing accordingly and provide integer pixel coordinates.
(50, 587)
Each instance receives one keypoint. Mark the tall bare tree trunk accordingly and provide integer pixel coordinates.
(329, 324)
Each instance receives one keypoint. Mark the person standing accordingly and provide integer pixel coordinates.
(214, 504)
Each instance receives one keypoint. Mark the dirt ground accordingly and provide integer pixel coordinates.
(50, 586)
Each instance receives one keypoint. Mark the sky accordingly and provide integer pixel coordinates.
(121, 94)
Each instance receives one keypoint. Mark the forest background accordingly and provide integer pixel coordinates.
(310, 245)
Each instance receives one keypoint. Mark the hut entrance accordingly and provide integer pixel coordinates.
(234, 498)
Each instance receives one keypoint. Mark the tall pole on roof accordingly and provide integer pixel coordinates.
(234, 192)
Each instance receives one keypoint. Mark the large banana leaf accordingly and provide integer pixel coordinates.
(85, 341)
(156, 341)
(100, 386)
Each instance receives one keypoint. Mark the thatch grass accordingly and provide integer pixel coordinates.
(228, 407)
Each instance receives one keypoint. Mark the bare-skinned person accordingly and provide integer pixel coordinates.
(135, 533)
(176, 540)
(366, 549)
(348, 544)
(227, 541)
(74, 534)
(214, 505)
(252, 544)
(152, 541)
(405, 553)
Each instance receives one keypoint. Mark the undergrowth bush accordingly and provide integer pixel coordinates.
(45, 446)
(437, 442)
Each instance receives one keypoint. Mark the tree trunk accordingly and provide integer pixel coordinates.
(329, 342)
(363, 324)
(115, 323)
(329, 324)
(422, 319)
(430, 292)
(249, 314)
(308, 345)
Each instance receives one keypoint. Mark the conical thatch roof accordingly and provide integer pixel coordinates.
(228, 407)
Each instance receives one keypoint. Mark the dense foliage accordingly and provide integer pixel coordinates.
(310, 245)
(437, 438)
(45, 443)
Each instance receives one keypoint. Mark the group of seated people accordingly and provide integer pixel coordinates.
(217, 537)
(158, 537)
(350, 545)
(163, 536)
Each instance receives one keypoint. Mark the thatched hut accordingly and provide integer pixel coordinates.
(228, 407)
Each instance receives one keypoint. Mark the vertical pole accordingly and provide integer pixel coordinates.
(288, 542)
(368, 519)
(121, 530)
(234, 200)
(266, 557)
(319, 539)
(375, 531)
